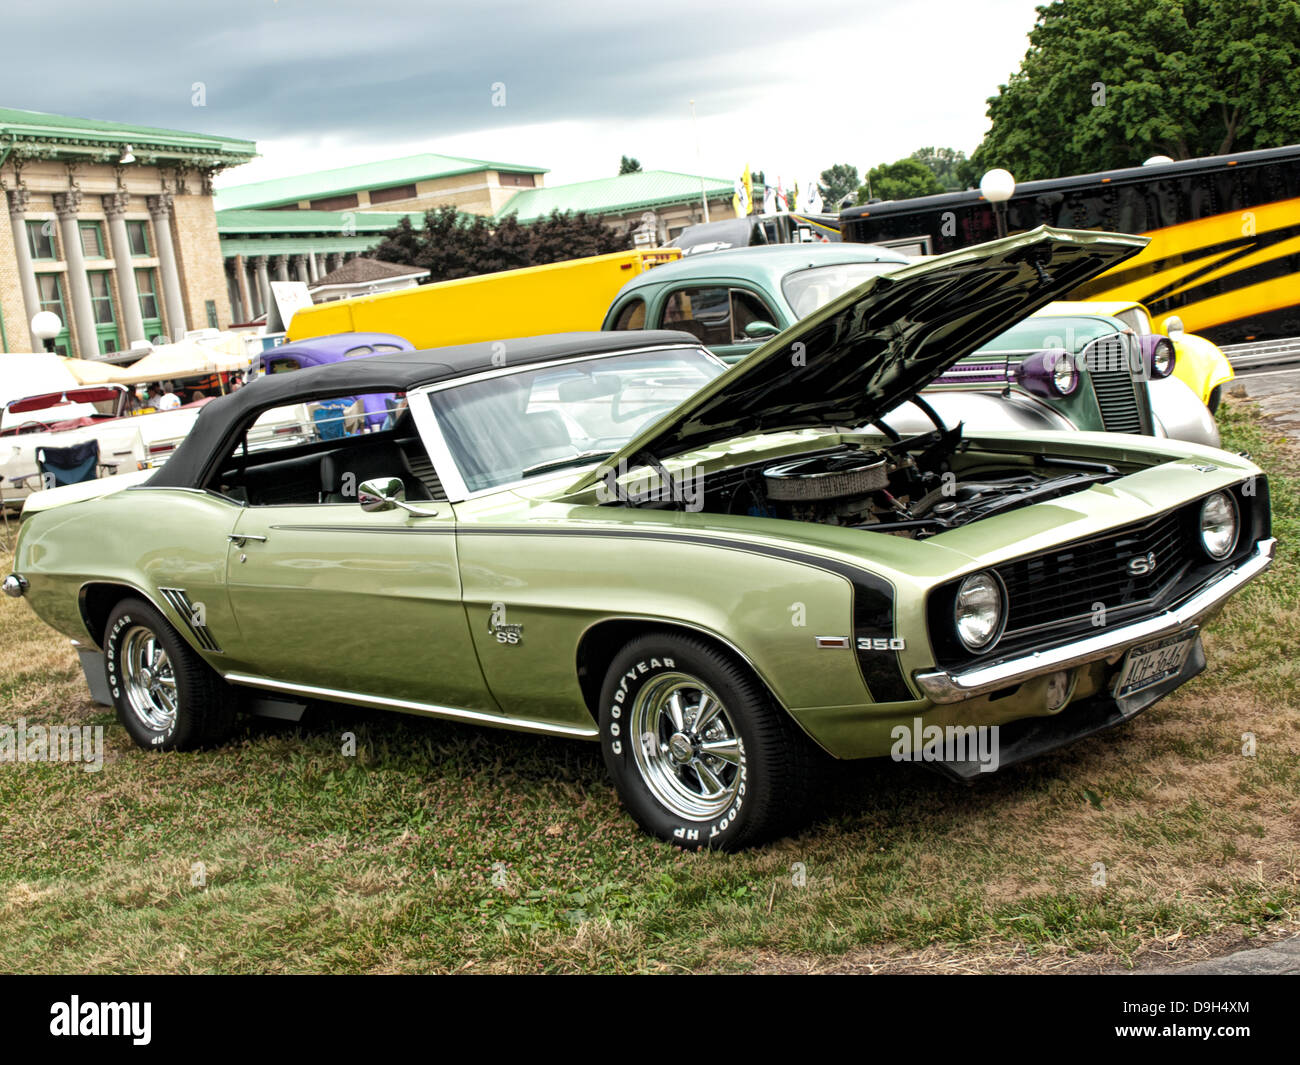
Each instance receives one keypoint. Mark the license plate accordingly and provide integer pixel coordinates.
(1150, 664)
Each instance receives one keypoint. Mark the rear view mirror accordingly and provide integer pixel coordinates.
(589, 386)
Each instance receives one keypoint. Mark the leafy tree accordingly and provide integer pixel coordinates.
(899, 181)
(837, 182)
(450, 244)
(628, 165)
(954, 171)
(1108, 83)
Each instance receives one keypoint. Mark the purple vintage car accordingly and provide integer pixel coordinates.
(317, 351)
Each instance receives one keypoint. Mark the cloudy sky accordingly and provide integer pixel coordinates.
(321, 83)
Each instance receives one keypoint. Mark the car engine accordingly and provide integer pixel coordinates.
(908, 488)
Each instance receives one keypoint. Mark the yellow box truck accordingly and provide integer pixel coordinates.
(556, 298)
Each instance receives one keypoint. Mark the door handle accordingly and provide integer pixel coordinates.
(239, 539)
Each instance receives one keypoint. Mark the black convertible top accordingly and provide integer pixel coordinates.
(220, 419)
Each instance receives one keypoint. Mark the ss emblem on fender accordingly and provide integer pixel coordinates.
(1139, 565)
(505, 632)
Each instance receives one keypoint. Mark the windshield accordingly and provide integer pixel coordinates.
(1036, 334)
(807, 290)
(502, 429)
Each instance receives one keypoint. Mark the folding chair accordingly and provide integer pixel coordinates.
(70, 465)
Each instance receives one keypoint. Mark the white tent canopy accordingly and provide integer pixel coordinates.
(174, 361)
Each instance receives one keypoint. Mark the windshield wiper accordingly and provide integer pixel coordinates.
(568, 460)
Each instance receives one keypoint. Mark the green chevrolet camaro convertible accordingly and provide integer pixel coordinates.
(722, 575)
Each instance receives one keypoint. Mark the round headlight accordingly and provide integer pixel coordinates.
(1065, 378)
(978, 611)
(1162, 358)
(1219, 525)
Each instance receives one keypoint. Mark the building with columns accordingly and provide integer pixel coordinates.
(112, 228)
(261, 246)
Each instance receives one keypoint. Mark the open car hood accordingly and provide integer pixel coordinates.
(875, 347)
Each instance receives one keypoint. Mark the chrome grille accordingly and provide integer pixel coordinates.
(1118, 392)
(1062, 586)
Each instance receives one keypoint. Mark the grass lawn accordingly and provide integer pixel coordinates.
(444, 847)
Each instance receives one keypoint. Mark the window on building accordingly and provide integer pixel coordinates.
(40, 239)
(101, 298)
(101, 303)
(519, 181)
(335, 203)
(92, 240)
(210, 307)
(393, 192)
(50, 287)
(147, 286)
(137, 237)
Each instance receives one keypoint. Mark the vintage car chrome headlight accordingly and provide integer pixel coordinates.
(1159, 354)
(979, 611)
(1065, 376)
(1048, 373)
(1219, 525)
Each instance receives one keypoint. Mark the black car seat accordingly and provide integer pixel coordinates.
(343, 471)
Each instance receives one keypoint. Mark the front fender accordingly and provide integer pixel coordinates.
(1201, 365)
(1180, 414)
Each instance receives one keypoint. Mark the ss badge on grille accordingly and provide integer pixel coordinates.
(1139, 565)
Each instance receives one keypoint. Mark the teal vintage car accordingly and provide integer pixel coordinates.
(721, 575)
(1106, 376)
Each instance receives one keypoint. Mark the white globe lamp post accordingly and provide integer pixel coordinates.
(997, 186)
(46, 325)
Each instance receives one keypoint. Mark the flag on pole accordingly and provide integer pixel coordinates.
(743, 200)
(813, 199)
(769, 200)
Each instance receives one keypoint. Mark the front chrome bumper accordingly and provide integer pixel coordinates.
(944, 686)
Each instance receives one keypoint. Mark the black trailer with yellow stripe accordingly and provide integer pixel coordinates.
(1225, 235)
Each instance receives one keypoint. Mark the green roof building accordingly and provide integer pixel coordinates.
(411, 183)
(666, 201)
(111, 228)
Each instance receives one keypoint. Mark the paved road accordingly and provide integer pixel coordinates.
(1281, 959)
(1278, 395)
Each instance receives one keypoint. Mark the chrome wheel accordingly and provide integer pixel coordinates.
(148, 679)
(686, 746)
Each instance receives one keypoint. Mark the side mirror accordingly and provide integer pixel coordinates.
(760, 330)
(387, 493)
(383, 493)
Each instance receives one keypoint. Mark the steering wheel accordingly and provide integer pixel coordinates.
(45, 426)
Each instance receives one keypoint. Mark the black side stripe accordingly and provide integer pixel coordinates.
(873, 595)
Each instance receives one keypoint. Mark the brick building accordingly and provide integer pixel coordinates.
(661, 202)
(112, 228)
(413, 183)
